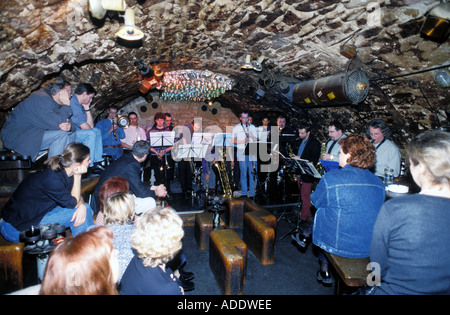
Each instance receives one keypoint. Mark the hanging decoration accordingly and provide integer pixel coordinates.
(193, 85)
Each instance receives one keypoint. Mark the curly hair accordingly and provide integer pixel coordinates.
(362, 152)
(382, 125)
(157, 236)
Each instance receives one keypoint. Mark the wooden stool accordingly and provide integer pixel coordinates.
(228, 261)
(11, 270)
(352, 272)
(202, 227)
(259, 234)
(234, 213)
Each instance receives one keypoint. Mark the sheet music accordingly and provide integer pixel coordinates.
(162, 139)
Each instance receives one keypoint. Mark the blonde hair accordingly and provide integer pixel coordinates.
(119, 208)
(432, 149)
(157, 237)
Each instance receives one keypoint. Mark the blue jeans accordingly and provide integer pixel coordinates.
(57, 215)
(56, 140)
(92, 138)
(248, 167)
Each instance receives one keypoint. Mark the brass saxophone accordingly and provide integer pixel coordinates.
(223, 177)
(319, 166)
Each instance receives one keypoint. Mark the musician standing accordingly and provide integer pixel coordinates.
(243, 134)
(111, 134)
(336, 133)
(185, 171)
(158, 154)
(309, 149)
(133, 133)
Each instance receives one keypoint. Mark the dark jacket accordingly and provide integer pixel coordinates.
(129, 168)
(311, 152)
(24, 130)
(38, 194)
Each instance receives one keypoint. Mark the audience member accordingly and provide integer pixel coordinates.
(347, 202)
(156, 239)
(410, 240)
(133, 133)
(119, 217)
(111, 134)
(84, 265)
(129, 167)
(243, 135)
(40, 122)
(336, 133)
(84, 122)
(50, 196)
(388, 155)
(309, 149)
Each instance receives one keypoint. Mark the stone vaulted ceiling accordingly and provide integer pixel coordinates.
(300, 39)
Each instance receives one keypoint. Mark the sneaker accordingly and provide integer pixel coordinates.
(324, 277)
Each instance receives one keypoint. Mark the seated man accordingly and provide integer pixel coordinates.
(40, 122)
(82, 118)
(336, 133)
(129, 167)
(388, 154)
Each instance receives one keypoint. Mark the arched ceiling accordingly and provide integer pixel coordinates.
(300, 39)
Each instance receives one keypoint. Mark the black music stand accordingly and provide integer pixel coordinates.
(163, 139)
(305, 167)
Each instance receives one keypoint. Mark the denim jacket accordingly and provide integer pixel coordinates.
(347, 202)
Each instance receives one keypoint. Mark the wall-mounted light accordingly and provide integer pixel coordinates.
(437, 23)
(247, 64)
(257, 64)
(129, 31)
(98, 8)
(443, 78)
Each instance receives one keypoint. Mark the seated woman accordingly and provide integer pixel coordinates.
(84, 265)
(347, 202)
(117, 184)
(410, 240)
(50, 196)
(156, 239)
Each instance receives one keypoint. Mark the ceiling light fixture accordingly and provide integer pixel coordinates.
(129, 31)
(437, 24)
(98, 8)
(257, 64)
(247, 64)
(443, 78)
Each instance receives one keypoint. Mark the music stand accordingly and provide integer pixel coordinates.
(306, 168)
(163, 139)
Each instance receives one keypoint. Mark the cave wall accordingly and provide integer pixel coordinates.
(301, 40)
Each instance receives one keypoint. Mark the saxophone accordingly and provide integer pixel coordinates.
(223, 177)
(319, 166)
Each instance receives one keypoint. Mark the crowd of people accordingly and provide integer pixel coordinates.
(135, 246)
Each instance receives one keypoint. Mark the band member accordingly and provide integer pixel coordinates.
(336, 133)
(168, 121)
(111, 134)
(243, 134)
(185, 170)
(159, 161)
(309, 149)
(133, 133)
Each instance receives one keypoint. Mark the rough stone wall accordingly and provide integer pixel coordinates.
(301, 39)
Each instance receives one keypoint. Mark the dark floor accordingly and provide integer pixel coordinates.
(293, 271)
